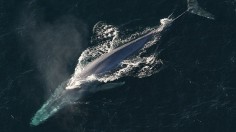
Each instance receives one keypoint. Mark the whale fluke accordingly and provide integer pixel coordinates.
(193, 7)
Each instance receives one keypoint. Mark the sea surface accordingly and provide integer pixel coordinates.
(41, 41)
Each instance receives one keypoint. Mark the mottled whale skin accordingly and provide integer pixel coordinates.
(111, 60)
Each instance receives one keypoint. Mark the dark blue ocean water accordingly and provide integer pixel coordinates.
(41, 40)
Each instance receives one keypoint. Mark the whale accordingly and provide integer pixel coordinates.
(69, 92)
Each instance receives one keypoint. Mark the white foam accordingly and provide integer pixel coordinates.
(142, 65)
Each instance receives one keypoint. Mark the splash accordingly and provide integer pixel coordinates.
(143, 64)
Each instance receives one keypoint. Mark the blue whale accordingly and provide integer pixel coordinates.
(68, 94)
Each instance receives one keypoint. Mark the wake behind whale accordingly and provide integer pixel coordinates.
(110, 60)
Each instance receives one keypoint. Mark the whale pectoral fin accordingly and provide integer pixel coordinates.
(110, 86)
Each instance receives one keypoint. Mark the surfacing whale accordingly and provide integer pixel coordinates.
(84, 82)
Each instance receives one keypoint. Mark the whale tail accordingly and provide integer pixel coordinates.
(194, 8)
